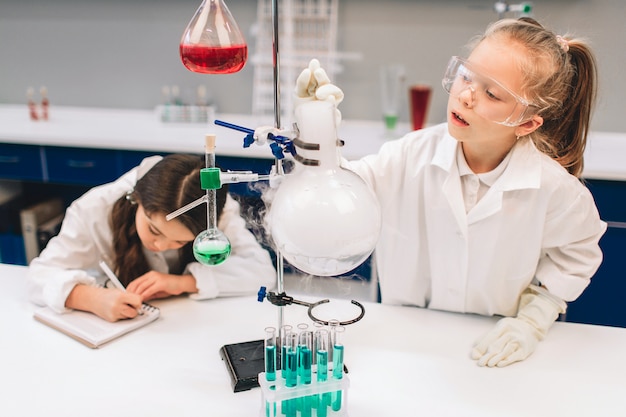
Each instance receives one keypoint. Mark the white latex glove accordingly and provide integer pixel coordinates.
(313, 84)
(515, 338)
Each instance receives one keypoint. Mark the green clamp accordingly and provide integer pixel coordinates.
(210, 179)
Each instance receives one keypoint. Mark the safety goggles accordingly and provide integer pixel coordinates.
(488, 97)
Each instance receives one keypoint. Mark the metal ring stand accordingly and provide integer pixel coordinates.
(282, 299)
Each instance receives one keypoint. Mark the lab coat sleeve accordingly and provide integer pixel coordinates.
(63, 264)
(571, 252)
(248, 267)
(85, 238)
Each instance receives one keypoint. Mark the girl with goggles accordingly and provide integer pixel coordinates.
(485, 214)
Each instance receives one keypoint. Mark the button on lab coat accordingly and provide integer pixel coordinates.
(85, 238)
(536, 224)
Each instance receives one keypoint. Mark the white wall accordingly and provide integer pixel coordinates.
(118, 53)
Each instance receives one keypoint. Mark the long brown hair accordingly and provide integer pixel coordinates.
(561, 77)
(170, 184)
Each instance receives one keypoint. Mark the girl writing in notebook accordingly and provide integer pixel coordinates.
(485, 213)
(123, 224)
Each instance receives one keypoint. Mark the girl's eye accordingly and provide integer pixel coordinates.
(153, 231)
(465, 74)
(492, 95)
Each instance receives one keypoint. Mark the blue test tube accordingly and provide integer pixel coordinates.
(305, 346)
(270, 353)
(291, 380)
(292, 360)
(321, 354)
(337, 337)
(270, 365)
(285, 330)
(302, 327)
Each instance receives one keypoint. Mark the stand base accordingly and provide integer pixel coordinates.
(244, 361)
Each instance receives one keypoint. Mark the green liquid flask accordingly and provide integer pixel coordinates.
(211, 247)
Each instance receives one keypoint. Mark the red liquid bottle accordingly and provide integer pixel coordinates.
(212, 42)
(214, 60)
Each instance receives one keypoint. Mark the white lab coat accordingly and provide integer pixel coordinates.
(85, 238)
(537, 223)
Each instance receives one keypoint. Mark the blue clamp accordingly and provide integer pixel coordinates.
(261, 294)
(277, 151)
(278, 144)
(248, 140)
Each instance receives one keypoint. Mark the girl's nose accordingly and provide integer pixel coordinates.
(466, 97)
(162, 244)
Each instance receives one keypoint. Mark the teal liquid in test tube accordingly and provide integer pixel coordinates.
(286, 329)
(306, 361)
(270, 354)
(290, 408)
(292, 360)
(337, 364)
(321, 354)
(284, 344)
(302, 327)
(270, 365)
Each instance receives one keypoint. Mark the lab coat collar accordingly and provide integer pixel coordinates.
(523, 171)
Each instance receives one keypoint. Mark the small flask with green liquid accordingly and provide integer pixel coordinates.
(211, 247)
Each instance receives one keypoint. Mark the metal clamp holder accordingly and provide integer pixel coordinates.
(282, 299)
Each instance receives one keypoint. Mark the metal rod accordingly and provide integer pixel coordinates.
(277, 162)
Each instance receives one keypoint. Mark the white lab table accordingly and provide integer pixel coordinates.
(402, 361)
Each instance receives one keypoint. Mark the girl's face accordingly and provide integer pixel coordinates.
(496, 60)
(158, 234)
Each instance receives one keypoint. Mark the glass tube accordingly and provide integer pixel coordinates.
(211, 247)
(305, 346)
(270, 365)
(285, 330)
(332, 325)
(270, 353)
(292, 360)
(302, 327)
(321, 354)
(305, 349)
(337, 364)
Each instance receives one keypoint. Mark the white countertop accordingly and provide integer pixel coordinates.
(142, 130)
(402, 361)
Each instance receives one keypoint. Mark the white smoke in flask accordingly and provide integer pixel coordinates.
(323, 218)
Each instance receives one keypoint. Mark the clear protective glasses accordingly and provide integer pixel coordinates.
(489, 98)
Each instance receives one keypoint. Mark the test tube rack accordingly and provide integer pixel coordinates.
(303, 400)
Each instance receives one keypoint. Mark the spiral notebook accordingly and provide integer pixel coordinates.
(92, 330)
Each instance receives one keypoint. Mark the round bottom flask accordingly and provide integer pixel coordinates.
(323, 218)
(211, 247)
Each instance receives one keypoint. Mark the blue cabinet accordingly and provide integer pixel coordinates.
(67, 165)
(21, 162)
(604, 300)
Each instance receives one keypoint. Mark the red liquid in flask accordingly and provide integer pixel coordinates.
(214, 60)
